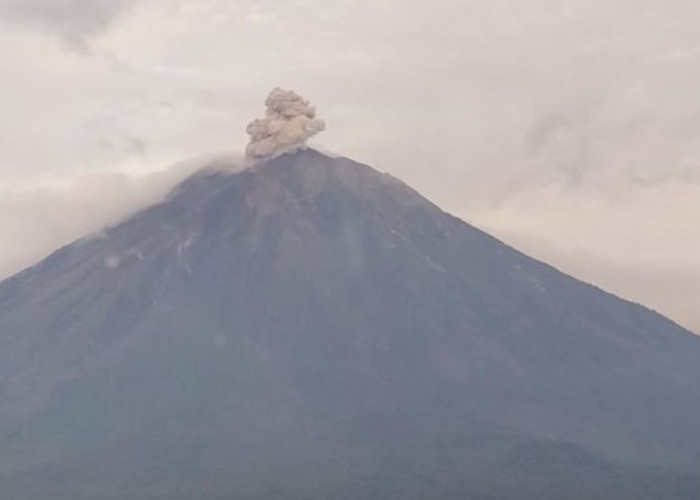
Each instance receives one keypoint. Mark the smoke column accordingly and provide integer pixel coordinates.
(289, 122)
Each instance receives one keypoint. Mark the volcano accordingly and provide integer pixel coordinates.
(310, 328)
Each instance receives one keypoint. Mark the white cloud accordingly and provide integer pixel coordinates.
(37, 218)
(641, 243)
(478, 104)
(74, 22)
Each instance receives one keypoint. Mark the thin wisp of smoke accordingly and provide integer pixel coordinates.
(289, 122)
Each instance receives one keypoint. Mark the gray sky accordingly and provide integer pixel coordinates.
(568, 128)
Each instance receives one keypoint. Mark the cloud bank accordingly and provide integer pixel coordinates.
(37, 219)
(289, 122)
(622, 245)
(72, 21)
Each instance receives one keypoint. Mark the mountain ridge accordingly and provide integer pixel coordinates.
(331, 322)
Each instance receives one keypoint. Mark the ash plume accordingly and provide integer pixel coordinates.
(289, 122)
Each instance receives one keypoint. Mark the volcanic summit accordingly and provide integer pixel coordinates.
(310, 328)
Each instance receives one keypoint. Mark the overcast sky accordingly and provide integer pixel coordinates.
(568, 128)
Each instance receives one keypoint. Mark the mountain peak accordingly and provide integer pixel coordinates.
(286, 183)
(302, 176)
(307, 171)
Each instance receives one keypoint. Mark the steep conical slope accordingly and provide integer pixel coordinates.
(312, 328)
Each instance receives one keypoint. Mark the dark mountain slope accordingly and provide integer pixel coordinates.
(312, 328)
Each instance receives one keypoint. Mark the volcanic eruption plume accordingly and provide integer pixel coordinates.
(288, 123)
